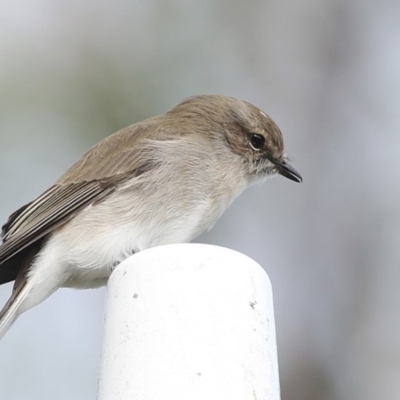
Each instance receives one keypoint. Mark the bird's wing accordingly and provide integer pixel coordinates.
(52, 209)
(88, 181)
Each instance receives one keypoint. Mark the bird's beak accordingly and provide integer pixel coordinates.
(288, 171)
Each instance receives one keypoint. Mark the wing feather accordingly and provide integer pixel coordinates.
(119, 157)
(55, 207)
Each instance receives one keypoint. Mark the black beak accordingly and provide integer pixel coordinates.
(288, 171)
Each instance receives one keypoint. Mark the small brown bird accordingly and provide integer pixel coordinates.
(163, 180)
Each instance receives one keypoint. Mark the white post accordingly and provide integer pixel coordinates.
(189, 322)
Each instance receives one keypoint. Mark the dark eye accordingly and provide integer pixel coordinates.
(257, 141)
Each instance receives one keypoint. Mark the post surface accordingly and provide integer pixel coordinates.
(189, 322)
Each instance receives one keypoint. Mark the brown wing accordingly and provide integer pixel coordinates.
(118, 157)
(52, 209)
(11, 219)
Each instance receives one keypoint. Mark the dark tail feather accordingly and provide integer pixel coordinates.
(16, 269)
(9, 313)
(10, 269)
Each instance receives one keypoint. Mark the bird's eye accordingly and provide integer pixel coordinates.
(257, 141)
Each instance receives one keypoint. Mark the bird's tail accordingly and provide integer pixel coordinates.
(9, 313)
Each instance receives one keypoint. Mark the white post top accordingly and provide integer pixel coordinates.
(189, 322)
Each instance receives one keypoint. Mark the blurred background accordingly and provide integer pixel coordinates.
(328, 72)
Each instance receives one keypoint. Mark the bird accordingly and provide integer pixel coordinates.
(159, 181)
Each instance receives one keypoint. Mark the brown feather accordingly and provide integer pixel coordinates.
(11, 219)
(55, 207)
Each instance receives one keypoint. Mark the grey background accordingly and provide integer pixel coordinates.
(72, 72)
